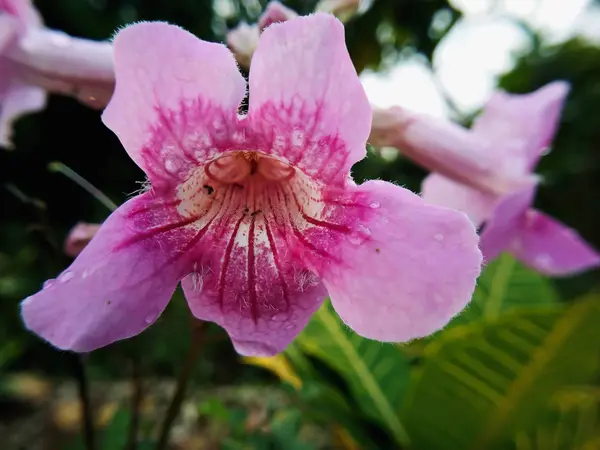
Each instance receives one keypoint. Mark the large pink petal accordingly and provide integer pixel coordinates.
(439, 190)
(416, 270)
(520, 127)
(551, 247)
(251, 282)
(118, 285)
(306, 98)
(505, 222)
(175, 100)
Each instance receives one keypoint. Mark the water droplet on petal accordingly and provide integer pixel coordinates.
(374, 205)
(544, 261)
(289, 326)
(364, 230)
(85, 274)
(170, 166)
(48, 283)
(151, 317)
(279, 317)
(65, 276)
(439, 237)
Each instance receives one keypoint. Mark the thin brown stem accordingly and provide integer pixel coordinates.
(137, 396)
(182, 383)
(87, 419)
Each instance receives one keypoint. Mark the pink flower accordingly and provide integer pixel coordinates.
(17, 97)
(256, 213)
(514, 132)
(79, 237)
(35, 60)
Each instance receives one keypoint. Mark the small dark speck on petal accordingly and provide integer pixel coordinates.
(377, 250)
(209, 189)
(108, 302)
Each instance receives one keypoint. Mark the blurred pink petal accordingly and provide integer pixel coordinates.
(275, 12)
(258, 213)
(525, 124)
(16, 97)
(504, 223)
(439, 190)
(79, 237)
(443, 147)
(514, 131)
(536, 239)
(551, 247)
(35, 60)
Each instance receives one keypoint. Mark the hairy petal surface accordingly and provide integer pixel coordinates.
(306, 98)
(174, 95)
(119, 284)
(415, 270)
(520, 127)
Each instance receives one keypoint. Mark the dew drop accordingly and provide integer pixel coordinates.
(364, 230)
(151, 317)
(544, 260)
(170, 166)
(374, 205)
(289, 326)
(65, 276)
(48, 283)
(85, 274)
(279, 317)
(439, 237)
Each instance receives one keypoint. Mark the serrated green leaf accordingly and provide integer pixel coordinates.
(481, 382)
(376, 373)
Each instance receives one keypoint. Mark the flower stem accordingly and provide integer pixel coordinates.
(136, 401)
(85, 184)
(182, 382)
(84, 399)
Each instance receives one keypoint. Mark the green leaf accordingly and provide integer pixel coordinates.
(504, 285)
(483, 381)
(376, 373)
(572, 421)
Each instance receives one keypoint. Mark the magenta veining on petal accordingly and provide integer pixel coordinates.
(255, 214)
